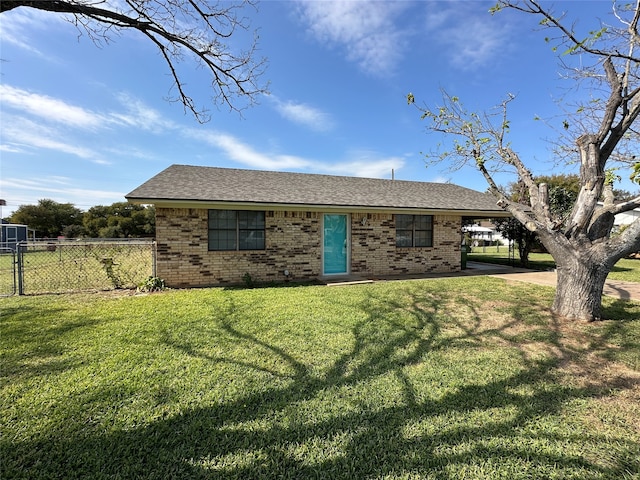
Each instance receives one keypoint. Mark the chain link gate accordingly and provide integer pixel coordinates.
(8, 275)
(77, 265)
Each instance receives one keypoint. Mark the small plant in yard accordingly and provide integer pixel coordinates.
(108, 263)
(248, 280)
(152, 284)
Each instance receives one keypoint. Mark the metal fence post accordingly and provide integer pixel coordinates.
(20, 248)
(153, 259)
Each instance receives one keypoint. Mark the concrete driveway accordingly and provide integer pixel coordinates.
(613, 288)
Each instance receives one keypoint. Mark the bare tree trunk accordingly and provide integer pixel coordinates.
(579, 287)
(524, 248)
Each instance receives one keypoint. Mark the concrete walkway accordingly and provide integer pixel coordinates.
(613, 288)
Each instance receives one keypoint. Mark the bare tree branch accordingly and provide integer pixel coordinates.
(551, 21)
(197, 28)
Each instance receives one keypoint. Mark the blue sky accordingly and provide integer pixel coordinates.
(86, 124)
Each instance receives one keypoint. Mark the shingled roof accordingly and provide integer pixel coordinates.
(191, 185)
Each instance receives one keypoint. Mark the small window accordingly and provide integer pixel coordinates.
(414, 230)
(236, 230)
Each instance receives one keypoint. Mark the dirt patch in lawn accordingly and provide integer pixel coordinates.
(583, 362)
(584, 355)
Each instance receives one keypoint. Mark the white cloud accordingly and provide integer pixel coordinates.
(17, 23)
(487, 43)
(303, 114)
(363, 164)
(440, 179)
(11, 148)
(140, 115)
(245, 154)
(366, 164)
(54, 110)
(50, 108)
(366, 30)
(57, 188)
(22, 134)
(33, 121)
(437, 15)
(64, 186)
(471, 37)
(376, 35)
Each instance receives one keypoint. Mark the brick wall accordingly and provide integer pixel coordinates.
(374, 251)
(294, 243)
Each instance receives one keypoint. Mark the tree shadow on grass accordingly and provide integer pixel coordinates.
(618, 268)
(31, 355)
(620, 310)
(433, 417)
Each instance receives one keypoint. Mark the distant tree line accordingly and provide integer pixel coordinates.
(51, 219)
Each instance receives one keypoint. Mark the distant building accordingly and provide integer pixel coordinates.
(624, 218)
(484, 234)
(11, 234)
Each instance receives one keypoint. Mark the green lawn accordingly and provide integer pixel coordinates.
(626, 270)
(441, 379)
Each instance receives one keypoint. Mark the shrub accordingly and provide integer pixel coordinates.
(152, 284)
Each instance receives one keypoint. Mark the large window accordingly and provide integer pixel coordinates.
(236, 230)
(414, 230)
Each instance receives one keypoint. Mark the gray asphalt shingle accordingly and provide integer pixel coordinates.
(213, 184)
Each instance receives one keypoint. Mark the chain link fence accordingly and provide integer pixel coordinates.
(61, 266)
(8, 278)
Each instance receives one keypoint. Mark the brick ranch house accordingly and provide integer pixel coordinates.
(215, 225)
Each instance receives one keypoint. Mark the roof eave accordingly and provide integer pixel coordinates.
(207, 204)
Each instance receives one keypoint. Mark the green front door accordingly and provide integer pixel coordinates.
(336, 245)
